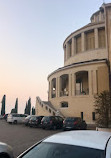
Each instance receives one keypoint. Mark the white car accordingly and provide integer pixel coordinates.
(73, 144)
(16, 118)
(5, 151)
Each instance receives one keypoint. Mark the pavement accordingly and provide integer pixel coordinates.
(21, 137)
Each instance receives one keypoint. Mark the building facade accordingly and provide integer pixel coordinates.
(86, 71)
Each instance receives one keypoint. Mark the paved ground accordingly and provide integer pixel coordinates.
(21, 137)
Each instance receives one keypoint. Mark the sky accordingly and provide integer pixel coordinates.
(32, 33)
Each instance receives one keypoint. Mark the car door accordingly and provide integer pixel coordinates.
(55, 121)
(60, 122)
(19, 118)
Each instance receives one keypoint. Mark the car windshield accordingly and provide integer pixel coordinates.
(71, 119)
(46, 119)
(54, 150)
(33, 118)
(28, 117)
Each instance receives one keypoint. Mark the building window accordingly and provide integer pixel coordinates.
(53, 113)
(64, 104)
(101, 38)
(93, 116)
(46, 108)
(78, 44)
(53, 88)
(90, 40)
(82, 115)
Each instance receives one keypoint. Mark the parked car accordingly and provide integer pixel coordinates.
(5, 151)
(16, 118)
(74, 123)
(72, 144)
(52, 122)
(35, 121)
(27, 119)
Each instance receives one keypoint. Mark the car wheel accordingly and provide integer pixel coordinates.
(54, 127)
(43, 127)
(64, 129)
(4, 156)
(15, 122)
(85, 128)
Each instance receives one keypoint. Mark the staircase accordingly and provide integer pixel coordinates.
(48, 107)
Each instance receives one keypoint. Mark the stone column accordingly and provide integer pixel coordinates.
(70, 85)
(94, 82)
(94, 18)
(90, 82)
(73, 84)
(49, 89)
(64, 53)
(96, 38)
(83, 42)
(100, 16)
(67, 50)
(58, 87)
(73, 47)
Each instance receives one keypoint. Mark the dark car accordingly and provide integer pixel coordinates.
(52, 122)
(74, 123)
(35, 121)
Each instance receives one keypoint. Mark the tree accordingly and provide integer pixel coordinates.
(103, 108)
(25, 111)
(16, 106)
(33, 111)
(3, 105)
(15, 110)
(28, 107)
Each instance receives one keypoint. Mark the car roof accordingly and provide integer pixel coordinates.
(91, 139)
(71, 118)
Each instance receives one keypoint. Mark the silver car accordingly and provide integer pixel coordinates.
(5, 151)
(73, 144)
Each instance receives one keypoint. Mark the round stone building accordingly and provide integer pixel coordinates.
(86, 71)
